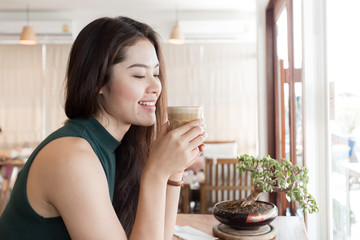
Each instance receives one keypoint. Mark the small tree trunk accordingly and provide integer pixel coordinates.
(252, 198)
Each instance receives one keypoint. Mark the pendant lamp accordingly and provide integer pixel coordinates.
(28, 36)
(177, 36)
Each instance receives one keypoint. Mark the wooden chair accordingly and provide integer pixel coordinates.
(223, 182)
(184, 201)
(12, 167)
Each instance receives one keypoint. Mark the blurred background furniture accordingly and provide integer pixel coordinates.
(11, 162)
(190, 193)
(224, 149)
(12, 167)
(184, 201)
(222, 182)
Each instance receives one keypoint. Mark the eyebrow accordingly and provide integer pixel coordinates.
(142, 65)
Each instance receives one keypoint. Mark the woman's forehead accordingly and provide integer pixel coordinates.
(143, 51)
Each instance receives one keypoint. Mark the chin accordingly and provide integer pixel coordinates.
(147, 123)
(145, 120)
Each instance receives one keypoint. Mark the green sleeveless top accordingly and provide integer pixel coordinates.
(19, 220)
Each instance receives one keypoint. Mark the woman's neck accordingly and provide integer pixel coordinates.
(112, 125)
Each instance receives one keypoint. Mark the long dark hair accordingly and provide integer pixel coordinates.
(98, 47)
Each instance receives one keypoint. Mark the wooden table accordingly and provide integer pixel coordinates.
(289, 228)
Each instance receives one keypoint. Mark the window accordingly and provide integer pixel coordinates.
(285, 87)
(344, 116)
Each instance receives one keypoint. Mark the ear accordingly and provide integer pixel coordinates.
(101, 90)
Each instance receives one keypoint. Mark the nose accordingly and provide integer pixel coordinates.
(154, 86)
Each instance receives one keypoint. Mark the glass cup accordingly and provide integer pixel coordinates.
(180, 115)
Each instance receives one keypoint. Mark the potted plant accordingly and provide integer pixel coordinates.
(267, 175)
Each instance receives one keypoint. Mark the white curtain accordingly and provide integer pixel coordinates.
(30, 92)
(55, 70)
(221, 77)
(20, 94)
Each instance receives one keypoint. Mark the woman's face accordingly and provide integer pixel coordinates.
(134, 88)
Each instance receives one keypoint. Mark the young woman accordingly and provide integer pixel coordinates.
(113, 170)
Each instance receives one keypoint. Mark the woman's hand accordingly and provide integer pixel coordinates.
(174, 151)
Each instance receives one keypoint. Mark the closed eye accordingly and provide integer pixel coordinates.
(138, 76)
(156, 75)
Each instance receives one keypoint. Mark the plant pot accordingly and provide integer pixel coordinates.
(250, 218)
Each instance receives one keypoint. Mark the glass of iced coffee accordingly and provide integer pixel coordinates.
(180, 115)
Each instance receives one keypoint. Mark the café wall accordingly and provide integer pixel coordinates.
(49, 114)
(221, 77)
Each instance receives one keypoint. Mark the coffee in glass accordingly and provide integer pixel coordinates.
(180, 115)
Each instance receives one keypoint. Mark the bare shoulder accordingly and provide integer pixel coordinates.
(67, 148)
(75, 184)
(68, 159)
(62, 166)
(63, 156)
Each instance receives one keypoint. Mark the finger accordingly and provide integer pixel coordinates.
(192, 134)
(185, 128)
(205, 135)
(195, 153)
(196, 142)
(202, 147)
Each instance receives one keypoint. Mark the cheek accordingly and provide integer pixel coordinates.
(125, 93)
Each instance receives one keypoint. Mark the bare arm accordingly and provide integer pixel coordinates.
(171, 153)
(173, 192)
(150, 212)
(172, 201)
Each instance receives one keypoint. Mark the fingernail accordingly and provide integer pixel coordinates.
(205, 135)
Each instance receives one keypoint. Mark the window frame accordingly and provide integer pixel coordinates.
(275, 95)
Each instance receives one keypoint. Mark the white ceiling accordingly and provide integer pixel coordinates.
(133, 5)
(160, 14)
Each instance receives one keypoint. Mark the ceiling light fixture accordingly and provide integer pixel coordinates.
(177, 36)
(28, 36)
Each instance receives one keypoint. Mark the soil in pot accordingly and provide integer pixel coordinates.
(234, 207)
(249, 217)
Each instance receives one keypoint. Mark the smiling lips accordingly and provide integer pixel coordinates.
(147, 103)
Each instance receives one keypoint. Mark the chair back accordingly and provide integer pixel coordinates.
(223, 182)
(221, 149)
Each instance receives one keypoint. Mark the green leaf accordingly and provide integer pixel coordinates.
(280, 174)
(267, 172)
